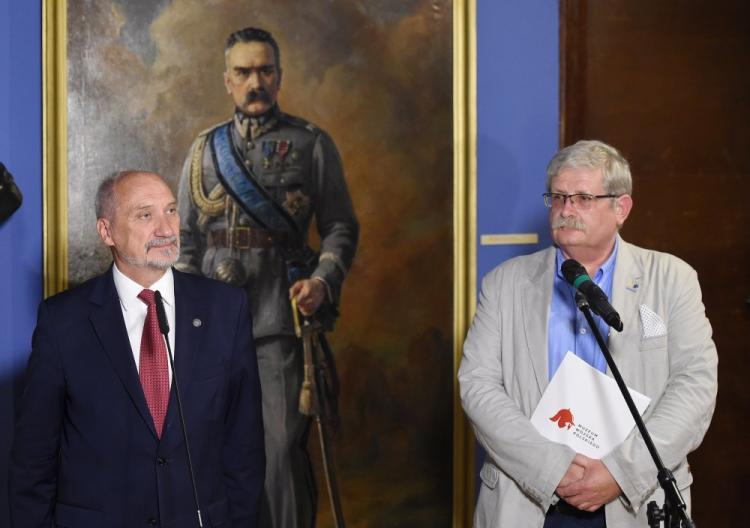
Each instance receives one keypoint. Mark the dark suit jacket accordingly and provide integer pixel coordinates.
(85, 452)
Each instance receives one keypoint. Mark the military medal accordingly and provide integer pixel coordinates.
(283, 149)
(269, 147)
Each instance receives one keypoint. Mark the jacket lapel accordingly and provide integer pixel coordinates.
(627, 286)
(536, 296)
(110, 329)
(189, 332)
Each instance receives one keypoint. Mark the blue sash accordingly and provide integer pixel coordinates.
(242, 185)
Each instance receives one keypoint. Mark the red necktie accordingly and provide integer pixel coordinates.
(153, 368)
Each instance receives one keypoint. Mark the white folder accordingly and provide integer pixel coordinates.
(584, 409)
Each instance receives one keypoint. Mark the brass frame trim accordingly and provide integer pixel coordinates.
(55, 145)
(507, 239)
(464, 243)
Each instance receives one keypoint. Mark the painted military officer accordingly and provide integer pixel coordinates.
(249, 190)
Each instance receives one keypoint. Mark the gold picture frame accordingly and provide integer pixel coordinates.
(55, 195)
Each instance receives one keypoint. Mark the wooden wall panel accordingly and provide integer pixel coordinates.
(668, 83)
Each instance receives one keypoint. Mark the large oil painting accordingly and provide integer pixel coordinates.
(144, 77)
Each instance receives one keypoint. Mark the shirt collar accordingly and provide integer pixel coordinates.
(609, 265)
(128, 290)
(255, 126)
(605, 269)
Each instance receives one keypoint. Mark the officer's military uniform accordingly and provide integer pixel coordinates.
(299, 167)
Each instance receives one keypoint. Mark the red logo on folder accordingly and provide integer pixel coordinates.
(564, 418)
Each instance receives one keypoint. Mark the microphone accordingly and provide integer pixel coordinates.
(161, 316)
(576, 274)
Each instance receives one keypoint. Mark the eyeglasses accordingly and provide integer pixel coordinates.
(580, 201)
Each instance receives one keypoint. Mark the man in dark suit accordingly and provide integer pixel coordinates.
(98, 437)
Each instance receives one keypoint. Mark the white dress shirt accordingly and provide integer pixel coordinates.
(134, 310)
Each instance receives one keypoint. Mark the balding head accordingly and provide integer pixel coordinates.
(105, 203)
(137, 218)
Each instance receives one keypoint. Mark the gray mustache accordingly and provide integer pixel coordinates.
(571, 222)
(161, 242)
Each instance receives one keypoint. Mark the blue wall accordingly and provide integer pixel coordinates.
(517, 133)
(517, 123)
(21, 235)
(517, 114)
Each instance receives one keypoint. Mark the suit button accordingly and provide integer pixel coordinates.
(161, 461)
(151, 521)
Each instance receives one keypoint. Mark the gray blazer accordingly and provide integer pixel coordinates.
(503, 374)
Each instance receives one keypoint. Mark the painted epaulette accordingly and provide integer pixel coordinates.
(299, 122)
(213, 127)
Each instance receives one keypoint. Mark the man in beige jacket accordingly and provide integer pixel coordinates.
(526, 320)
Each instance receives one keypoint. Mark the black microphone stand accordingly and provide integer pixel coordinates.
(674, 512)
(161, 315)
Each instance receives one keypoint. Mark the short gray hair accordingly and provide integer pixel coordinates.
(593, 154)
(106, 202)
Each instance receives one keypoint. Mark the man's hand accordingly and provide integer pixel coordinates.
(573, 474)
(309, 294)
(594, 490)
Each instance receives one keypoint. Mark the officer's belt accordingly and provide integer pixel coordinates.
(243, 237)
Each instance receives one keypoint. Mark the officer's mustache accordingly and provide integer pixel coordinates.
(571, 222)
(254, 96)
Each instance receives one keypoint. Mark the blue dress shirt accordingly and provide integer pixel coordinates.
(568, 329)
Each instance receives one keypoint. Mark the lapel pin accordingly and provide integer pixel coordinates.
(197, 323)
(634, 284)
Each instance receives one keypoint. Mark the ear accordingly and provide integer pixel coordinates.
(623, 206)
(103, 228)
(278, 78)
(227, 82)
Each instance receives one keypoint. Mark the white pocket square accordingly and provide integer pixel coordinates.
(651, 324)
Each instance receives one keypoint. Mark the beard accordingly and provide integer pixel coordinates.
(167, 251)
(569, 222)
